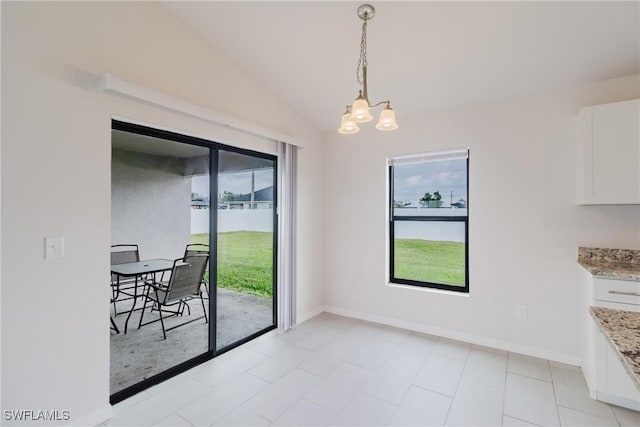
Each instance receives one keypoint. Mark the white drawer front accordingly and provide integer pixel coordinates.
(617, 305)
(622, 291)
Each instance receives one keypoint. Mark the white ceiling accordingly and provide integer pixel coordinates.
(422, 55)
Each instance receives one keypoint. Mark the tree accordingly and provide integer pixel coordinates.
(424, 201)
(431, 201)
(228, 196)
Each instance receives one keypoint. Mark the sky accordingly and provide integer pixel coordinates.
(412, 181)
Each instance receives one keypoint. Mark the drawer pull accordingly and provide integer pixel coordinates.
(635, 294)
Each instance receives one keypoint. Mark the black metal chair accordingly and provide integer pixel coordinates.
(114, 327)
(196, 249)
(122, 254)
(183, 285)
(199, 249)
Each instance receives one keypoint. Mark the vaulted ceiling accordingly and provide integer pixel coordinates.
(422, 56)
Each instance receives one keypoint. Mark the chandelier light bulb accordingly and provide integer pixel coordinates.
(348, 126)
(360, 110)
(387, 120)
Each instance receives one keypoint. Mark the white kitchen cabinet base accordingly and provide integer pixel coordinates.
(607, 379)
(618, 401)
(613, 383)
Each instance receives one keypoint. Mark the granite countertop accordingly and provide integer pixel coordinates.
(623, 330)
(611, 263)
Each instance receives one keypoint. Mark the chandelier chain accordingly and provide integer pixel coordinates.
(362, 61)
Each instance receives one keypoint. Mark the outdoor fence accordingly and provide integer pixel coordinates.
(233, 220)
(262, 220)
(444, 231)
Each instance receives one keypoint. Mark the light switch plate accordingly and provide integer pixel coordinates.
(53, 247)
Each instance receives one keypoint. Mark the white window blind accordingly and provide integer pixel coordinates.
(458, 153)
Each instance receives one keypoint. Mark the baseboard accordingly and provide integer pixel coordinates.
(309, 314)
(94, 418)
(619, 401)
(459, 336)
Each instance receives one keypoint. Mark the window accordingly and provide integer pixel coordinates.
(428, 220)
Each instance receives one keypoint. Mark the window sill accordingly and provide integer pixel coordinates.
(425, 289)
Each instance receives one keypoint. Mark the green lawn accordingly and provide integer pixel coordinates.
(245, 261)
(430, 261)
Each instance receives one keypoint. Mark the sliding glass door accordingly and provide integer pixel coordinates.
(159, 201)
(246, 246)
(176, 201)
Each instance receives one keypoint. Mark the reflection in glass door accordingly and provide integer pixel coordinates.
(246, 246)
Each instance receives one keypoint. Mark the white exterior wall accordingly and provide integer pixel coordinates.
(524, 224)
(56, 179)
(150, 207)
(233, 220)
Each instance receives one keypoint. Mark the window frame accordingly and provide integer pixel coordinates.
(393, 218)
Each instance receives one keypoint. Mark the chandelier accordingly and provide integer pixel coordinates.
(358, 112)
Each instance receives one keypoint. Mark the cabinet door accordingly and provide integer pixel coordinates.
(615, 384)
(609, 154)
(588, 330)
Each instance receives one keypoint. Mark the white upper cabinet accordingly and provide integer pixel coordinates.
(609, 154)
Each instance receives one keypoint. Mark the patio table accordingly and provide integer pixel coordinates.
(136, 269)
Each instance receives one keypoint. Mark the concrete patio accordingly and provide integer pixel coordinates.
(142, 353)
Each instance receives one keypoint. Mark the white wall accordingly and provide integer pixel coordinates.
(524, 225)
(150, 206)
(56, 144)
(200, 220)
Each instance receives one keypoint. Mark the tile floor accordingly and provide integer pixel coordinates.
(333, 370)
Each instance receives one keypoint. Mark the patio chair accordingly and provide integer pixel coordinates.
(114, 327)
(190, 250)
(196, 249)
(182, 286)
(199, 249)
(122, 254)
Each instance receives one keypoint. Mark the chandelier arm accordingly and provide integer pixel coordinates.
(380, 103)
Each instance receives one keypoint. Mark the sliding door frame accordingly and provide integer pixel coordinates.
(214, 150)
(274, 258)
